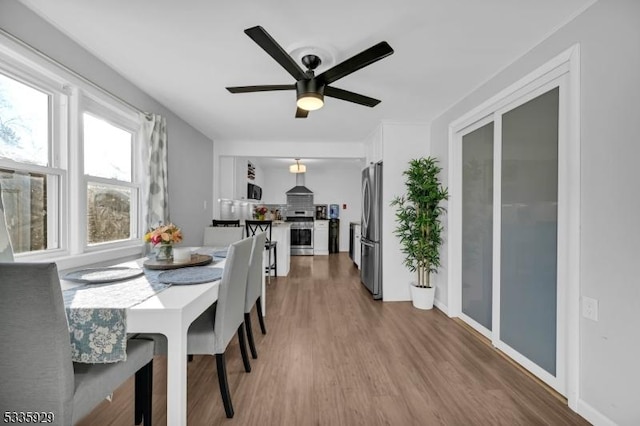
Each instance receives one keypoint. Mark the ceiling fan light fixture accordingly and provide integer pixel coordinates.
(310, 94)
(297, 168)
(310, 101)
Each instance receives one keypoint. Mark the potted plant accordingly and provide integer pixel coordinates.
(419, 227)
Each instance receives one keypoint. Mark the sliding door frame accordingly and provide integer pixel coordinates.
(565, 67)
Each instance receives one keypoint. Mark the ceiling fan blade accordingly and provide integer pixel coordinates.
(345, 95)
(263, 88)
(264, 40)
(301, 113)
(361, 60)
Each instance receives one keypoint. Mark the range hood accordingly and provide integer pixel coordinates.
(299, 189)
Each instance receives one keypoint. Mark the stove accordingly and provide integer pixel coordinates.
(300, 212)
(301, 235)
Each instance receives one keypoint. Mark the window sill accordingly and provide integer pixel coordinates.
(104, 257)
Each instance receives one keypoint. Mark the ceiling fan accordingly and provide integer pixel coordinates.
(311, 89)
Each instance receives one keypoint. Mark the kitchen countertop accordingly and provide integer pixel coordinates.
(281, 223)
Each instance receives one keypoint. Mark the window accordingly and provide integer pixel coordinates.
(30, 186)
(68, 164)
(111, 196)
(24, 122)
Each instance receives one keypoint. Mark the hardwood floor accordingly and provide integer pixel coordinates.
(334, 356)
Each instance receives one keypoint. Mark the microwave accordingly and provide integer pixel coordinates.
(254, 192)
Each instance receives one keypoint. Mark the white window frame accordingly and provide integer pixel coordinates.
(56, 188)
(73, 95)
(129, 123)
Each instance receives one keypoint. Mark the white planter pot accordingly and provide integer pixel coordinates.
(422, 297)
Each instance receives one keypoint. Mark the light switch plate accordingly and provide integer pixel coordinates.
(590, 308)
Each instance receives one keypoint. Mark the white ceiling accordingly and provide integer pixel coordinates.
(184, 53)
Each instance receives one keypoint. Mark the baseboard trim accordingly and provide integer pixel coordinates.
(593, 416)
(438, 304)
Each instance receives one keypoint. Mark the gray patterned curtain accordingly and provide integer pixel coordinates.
(154, 176)
(6, 251)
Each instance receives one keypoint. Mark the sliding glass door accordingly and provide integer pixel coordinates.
(477, 227)
(509, 239)
(529, 229)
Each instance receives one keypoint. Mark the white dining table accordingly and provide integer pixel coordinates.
(170, 313)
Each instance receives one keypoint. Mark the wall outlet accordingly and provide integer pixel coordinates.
(590, 308)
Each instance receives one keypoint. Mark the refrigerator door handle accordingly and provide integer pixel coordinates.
(366, 242)
(366, 204)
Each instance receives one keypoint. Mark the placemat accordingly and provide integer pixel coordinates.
(191, 275)
(103, 275)
(221, 253)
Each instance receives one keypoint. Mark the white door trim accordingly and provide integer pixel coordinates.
(565, 64)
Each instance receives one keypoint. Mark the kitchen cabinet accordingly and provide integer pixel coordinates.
(321, 237)
(374, 146)
(281, 232)
(234, 174)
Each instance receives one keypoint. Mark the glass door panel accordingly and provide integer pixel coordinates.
(529, 223)
(477, 225)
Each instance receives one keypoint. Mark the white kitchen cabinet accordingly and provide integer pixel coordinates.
(321, 237)
(356, 248)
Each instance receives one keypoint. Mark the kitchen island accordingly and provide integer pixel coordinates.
(281, 232)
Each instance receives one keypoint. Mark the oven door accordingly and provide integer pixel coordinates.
(301, 239)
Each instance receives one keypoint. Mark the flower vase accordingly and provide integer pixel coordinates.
(164, 252)
(260, 217)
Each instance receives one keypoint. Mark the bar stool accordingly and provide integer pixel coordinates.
(254, 227)
(226, 223)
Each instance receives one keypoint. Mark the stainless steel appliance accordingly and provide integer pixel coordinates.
(254, 192)
(301, 235)
(371, 234)
(300, 212)
(321, 211)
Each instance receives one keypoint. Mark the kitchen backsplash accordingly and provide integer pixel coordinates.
(243, 209)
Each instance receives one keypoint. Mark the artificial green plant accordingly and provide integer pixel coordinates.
(418, 218)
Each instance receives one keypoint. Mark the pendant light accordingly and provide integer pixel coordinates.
(297, 168)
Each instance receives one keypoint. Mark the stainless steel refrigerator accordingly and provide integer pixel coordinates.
(371, 226)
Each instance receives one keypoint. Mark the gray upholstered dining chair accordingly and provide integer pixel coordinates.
(6, 251)
(227, 316)
(254, 289)
(36, 370)
(212, 331)
(221, 236)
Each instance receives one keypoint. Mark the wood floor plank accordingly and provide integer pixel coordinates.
(334, 356)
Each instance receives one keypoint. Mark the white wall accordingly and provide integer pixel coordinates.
(339, 184)
(401, 142)
(331, 185)
(256, 149)
(609, 37)
(190, 152)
